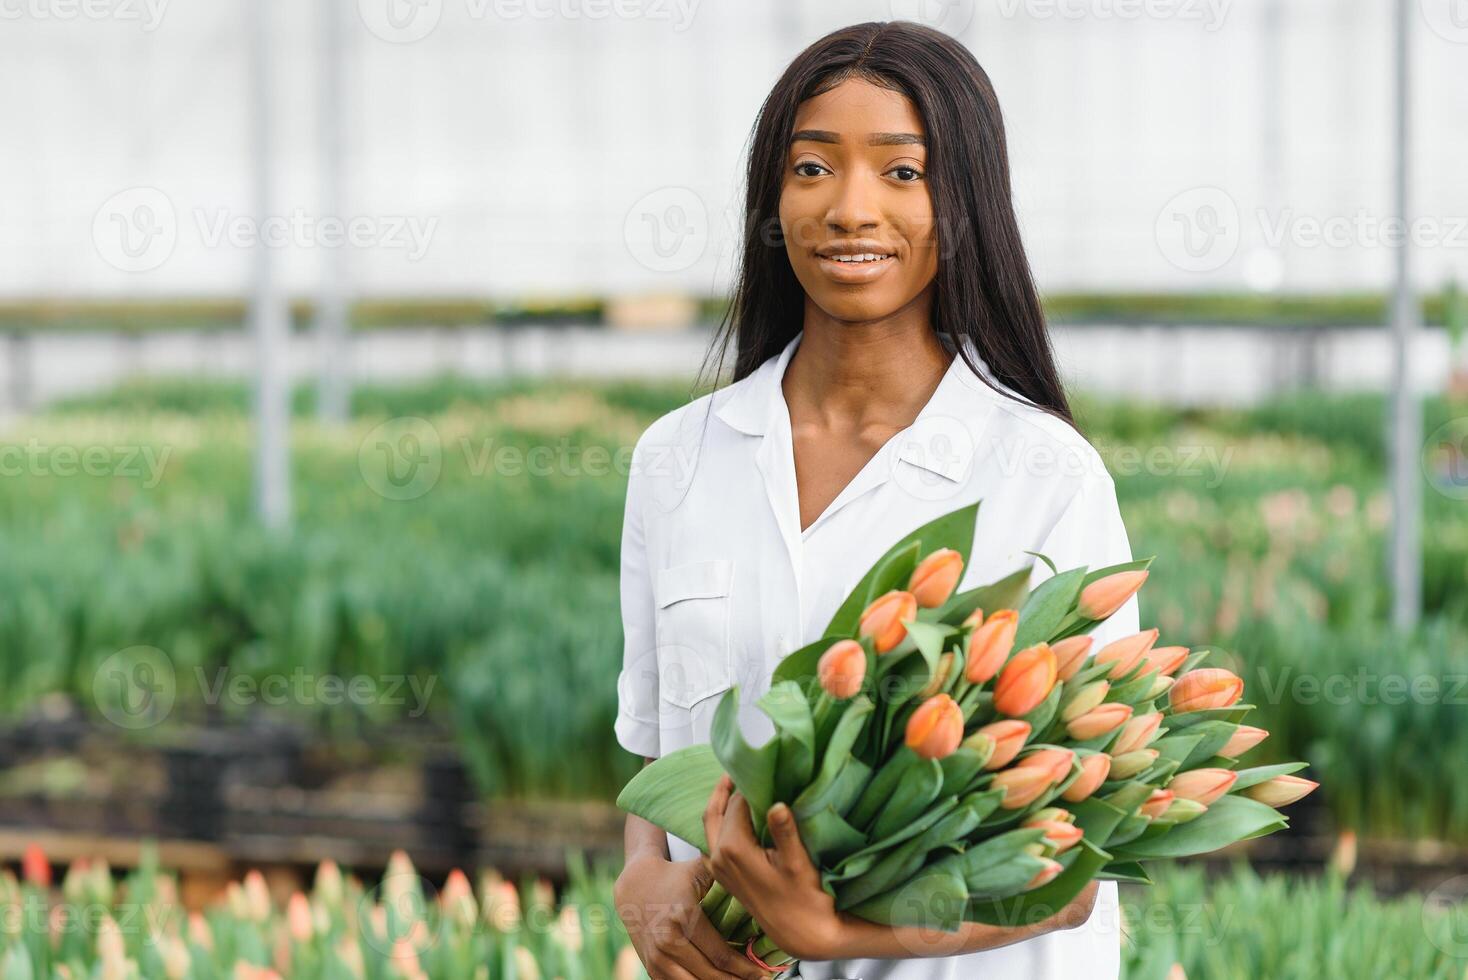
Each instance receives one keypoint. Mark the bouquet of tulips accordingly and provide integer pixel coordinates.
(955, 757)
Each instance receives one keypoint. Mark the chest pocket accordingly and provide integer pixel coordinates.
(692, 630)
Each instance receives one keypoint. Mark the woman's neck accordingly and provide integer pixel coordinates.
(880, 372)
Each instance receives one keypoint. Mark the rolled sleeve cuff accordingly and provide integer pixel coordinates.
(637, 736)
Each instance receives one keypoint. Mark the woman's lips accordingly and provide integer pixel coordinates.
(855, 272)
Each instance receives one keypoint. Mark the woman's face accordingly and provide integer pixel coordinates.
(854, 203)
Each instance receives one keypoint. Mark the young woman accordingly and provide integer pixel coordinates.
(891, 364)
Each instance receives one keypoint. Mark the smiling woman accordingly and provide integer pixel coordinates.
(892, 362)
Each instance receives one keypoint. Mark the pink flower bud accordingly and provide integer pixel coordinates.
(935, 578)
(1009, 737)
(886, 619)
(989, 646)
(1025, 681)
(1125, 653)
(842, 668)
(1070, 654)
(1207, 687)
(935, 728)
(1202, 785)
(1094, 770)
(1106, 595)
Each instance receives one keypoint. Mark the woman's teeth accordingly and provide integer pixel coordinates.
(865, 257)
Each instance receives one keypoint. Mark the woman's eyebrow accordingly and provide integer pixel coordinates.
(876, 139)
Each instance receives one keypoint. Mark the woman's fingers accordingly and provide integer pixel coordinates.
(721, 954)
(713, 813)
(790, 853)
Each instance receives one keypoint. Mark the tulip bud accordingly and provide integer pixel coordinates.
(1157, 803)
(1161, 684)
(1244, 738)
(1202, 785)
(1133, 763)
(1125, 653)
(1009, 737)
(1046, 874)
(939, 678)
(1137, 734)
(982, 745)
(935, 578)
(298, 918)
(989, 646)
(1070, 654)
(1056, 762)
(1166, 660)
(329, 883)
(1059, 813)
(457, 899)
(1025, 681)
(886, 619)
(842, 668)
(1098, 721)
(34, 867)
(1280, 791)
(1022, 785)
(1207, 687)
(1059, 834)
(1094, 770)
(935, 728)
(1107, 594)
(1085, 699)
(1181, 811)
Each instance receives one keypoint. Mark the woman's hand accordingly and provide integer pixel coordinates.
(779, 886)
(658, 900)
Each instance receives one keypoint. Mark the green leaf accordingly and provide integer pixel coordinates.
(1046, 607)
(881, 787)
(953, 530)
(1213, 735)
(934, 899)
(673, 792)
(1233, 714)
(1041, 903)
(1228, 819)
(1260, 774)
(1125, 871)
(1007, 593)
(919, 787)
(786, 706)
(959, 769)
(752, 769)
(876, 849)
(801, 665)
(893, 572)
(930, 639)
(827, 837)
(824, 791)
(905, 860)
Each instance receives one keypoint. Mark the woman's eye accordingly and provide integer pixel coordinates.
(906, 174)
(808, 169)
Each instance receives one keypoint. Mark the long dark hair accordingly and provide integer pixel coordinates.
(984, 289)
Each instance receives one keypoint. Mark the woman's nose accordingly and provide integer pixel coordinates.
(854, 207)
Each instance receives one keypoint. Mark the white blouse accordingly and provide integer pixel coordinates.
(719, 582)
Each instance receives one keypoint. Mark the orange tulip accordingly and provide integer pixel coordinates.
(1127, 652)
(298, 918)
(1161, 684)
(1098, 721)
(842, 668)
(935, 578)
(1009, 737)
(1084, 700)
(1094, 770)
(34, 867)
(1133, 763)
(1046, 874)
(1022, 785)
(1157, 803)
(1106, 595)
(989, 646)
(1244, 738)
(1025, 681)
(1280, 791)
(886, 619)
(1070, 654)
(1207, 687)
(1137, 734)
(1166, 660)
(935, 728)
(1060, 835)
(1056, 762)
(1202, 785)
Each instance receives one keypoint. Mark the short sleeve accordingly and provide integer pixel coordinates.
(1090, 532)
(637, 683)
